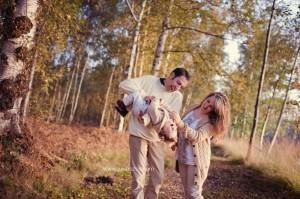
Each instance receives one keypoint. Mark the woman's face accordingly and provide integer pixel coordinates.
(208, 104)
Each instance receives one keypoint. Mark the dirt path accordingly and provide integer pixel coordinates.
(231, 180)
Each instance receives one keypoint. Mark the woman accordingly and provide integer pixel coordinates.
(202, 123)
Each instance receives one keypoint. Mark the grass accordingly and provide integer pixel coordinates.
(282, 164)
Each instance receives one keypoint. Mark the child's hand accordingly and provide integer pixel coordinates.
(149, 99)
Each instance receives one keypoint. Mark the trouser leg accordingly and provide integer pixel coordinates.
(138, 165)
(191, 190)
(156, 169)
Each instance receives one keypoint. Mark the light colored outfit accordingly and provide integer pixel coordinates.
(146, 149)
(154, 113)
(193, 154)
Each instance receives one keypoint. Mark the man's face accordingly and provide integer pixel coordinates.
(176, 83)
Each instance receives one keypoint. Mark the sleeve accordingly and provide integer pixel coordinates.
(176, 103)
(132, 85)
(199, 135)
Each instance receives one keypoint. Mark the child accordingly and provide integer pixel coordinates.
(149, 110)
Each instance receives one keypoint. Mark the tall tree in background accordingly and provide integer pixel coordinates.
(106, 96)
(133, 54)
(161, 42)
(261, 81)
(19, 32)
(284, 102)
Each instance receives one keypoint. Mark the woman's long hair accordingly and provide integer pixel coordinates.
(219, 117)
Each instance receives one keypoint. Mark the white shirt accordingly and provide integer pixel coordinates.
(187, 156)
(152, 86)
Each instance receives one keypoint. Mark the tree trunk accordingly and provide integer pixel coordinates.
(135, 41)
(165, 69)
(137, 54)
(78, 91)
(161, 42)
(261, 81)
(19, 31)
(233, 128)
(106, 97)
(26, 102)
(244, 122)
(53, 100)
(75, 86)
(284, 102)
(187, 101)
(133, 53)
(68, 94)
(107, 121)
(144, 45)
(267, 115)
(61, 105)
(264, 128)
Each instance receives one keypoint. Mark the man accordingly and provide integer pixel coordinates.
(146, 149)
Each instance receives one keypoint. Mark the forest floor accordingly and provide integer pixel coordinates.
(63, 155)
(229, 179)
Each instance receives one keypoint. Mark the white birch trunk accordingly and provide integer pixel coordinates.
(161, 42)
(79, 90)
(26, 102)
(14, 54)
(187, 101)
(267, 116)
(165, 69)
(144, 44)
(75, 86)
(106, 97)
(261, 81)
(284, 102)
(53, 101)
(61, 105)
(133, 53)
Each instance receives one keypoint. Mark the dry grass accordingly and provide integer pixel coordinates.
(283, 162)
(61, 156)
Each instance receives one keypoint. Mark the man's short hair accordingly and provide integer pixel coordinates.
(181, 72)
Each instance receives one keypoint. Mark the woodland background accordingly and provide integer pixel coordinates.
(80, 50)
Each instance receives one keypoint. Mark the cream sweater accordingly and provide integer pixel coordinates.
(151, 86)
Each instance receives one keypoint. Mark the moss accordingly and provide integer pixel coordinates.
(14, 28)
(11, 89)
(3, 62)
(22, 54)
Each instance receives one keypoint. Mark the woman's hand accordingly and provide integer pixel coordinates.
(177, 120)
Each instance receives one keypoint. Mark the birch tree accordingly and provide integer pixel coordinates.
(20, 29)
(73, 111)
(106, 96)
(161, 42)
(133, 53)
(27, 97)
(269, 109)
(285, 101)
(261, 81)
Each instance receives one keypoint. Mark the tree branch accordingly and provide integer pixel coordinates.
(197, 30)
(131, 10)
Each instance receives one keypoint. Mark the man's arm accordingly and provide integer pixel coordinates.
(132, 85)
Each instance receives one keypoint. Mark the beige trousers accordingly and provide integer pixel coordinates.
(145, 155)
(187, 174)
